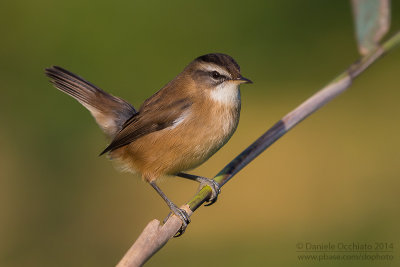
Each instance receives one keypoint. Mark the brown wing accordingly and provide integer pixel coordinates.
(151, 117)
(109, 111)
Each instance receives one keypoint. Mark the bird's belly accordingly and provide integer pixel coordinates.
(176, 149)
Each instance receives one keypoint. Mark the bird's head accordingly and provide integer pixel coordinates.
(218, 75)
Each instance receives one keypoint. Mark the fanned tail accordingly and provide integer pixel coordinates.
(109, 111)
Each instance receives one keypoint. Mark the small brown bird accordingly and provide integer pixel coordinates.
(176, 129)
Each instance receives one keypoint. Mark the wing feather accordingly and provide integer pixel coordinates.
(151, 119)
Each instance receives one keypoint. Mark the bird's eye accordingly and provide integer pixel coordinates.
(215, 75)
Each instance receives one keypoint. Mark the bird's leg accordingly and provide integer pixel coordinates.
(215, 187)
(177, 211)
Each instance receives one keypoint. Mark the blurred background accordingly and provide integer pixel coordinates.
(334, 178)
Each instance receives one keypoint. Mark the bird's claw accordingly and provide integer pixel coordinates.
(215, 190)
(182, 214)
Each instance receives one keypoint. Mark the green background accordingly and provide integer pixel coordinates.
(334, 178)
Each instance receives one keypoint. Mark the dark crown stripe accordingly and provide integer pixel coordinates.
(222, 60)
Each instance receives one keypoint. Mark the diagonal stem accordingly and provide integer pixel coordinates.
(155, 236)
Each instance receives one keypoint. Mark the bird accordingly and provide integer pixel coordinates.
(175, 130)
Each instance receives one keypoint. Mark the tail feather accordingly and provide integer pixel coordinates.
(109, 111)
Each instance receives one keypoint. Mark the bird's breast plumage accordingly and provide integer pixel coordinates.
(189, 142)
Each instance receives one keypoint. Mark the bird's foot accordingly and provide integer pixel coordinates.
(215, 189)
(182, 214)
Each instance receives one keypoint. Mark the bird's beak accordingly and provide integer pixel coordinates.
(241, 80)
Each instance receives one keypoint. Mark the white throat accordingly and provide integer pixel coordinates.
(226, 93)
